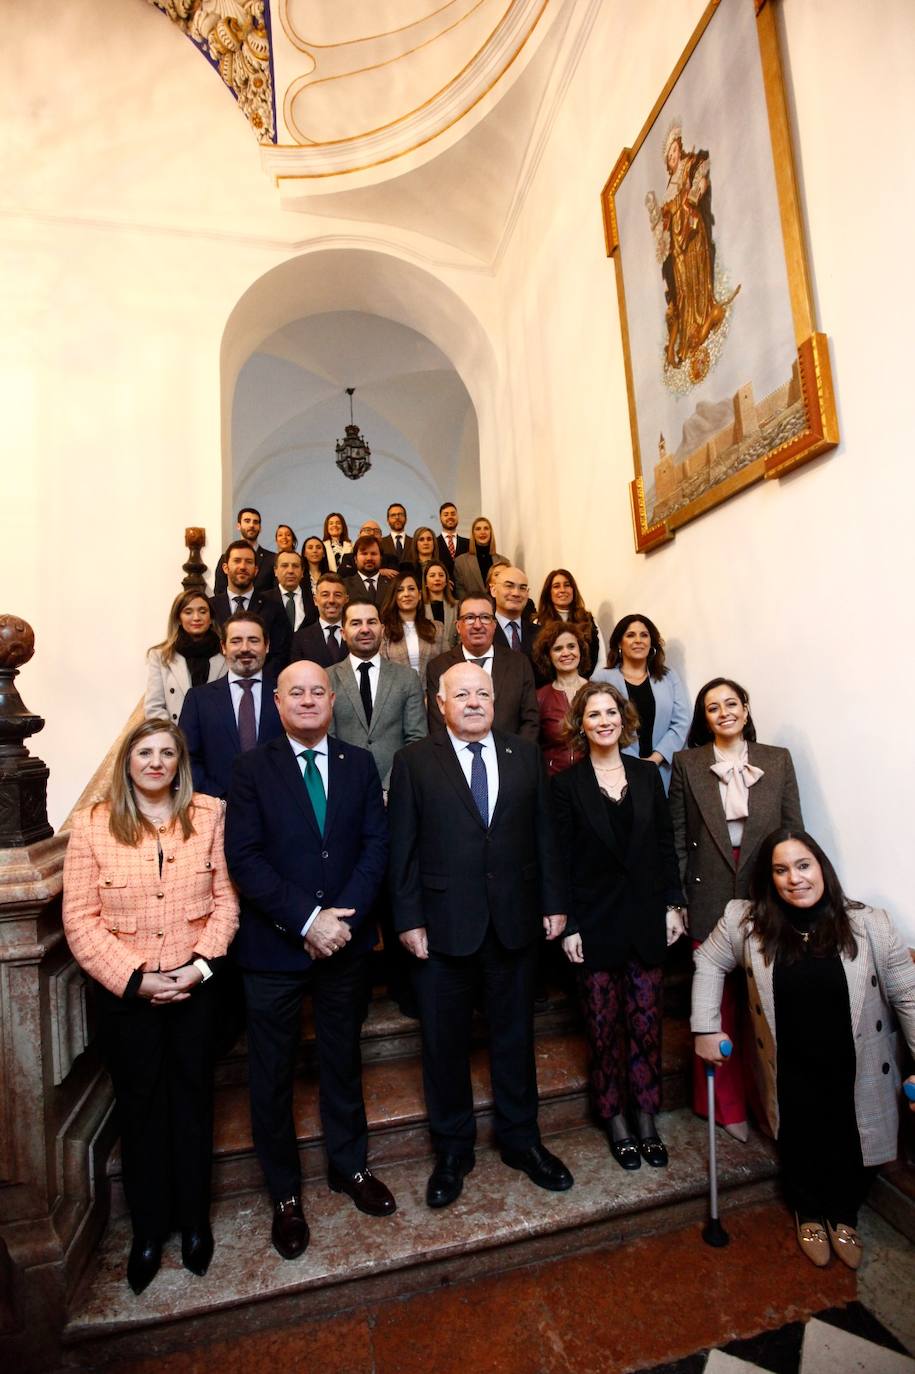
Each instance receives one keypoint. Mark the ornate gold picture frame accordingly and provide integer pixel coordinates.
(728, 379)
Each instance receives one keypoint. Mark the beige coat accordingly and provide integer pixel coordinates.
(395, 651)
(167, 684)
(881, 978)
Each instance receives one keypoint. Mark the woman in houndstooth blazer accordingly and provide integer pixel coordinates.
(829, 981)
(148, 905)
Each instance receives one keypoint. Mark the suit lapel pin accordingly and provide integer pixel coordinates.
(507, 750)
(340, 757)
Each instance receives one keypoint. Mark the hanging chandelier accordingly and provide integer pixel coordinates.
(353, 453)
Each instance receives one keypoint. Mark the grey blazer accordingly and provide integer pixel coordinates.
(881, 978)
(468, 580)
(167, 684)
(708, 874)
(398, 713)
(428, 649)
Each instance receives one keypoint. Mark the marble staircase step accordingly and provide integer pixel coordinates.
(501, 1221)
(396, 1110)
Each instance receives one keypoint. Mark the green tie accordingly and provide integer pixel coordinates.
(315, 787)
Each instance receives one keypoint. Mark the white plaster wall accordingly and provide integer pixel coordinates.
(800, 588)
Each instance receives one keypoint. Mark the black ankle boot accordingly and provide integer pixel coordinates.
(143, 1262)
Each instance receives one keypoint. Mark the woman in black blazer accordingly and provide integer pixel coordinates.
(727, 793)
(625, 908)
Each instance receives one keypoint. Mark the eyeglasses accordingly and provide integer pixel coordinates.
(484, 619)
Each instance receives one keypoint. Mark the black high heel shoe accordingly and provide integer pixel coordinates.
(197, 1249)
(143, 1262)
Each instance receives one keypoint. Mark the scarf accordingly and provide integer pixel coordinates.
(197, 650)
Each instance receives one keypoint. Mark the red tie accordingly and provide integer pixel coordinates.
(451, 544)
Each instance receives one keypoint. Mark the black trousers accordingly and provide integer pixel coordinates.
(445, 989)
(161, 1064)
(339, 989)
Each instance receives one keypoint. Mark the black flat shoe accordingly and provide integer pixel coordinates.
(654, 1151)
(143, 1262)
(626, 1153)
(197, 1249)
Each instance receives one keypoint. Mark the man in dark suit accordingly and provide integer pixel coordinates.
(240, 595)
(516, 707)
(234, 713)
(398, 543)
(306, 843)
(510, 590)
(450, 543)
(291, 594)
(475, 881)
(322, 642)
(248, 524)
(370, 581)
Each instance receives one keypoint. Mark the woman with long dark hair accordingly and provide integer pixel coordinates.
(409, 636)
(337, 543)
(637, 666)
(625, 908)
(439, 600)
(829, 978)
(147, 908)
(728, 792)
(189, 656)
(560, 599)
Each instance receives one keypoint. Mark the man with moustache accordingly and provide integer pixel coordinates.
(236, 712)
(241, 595)
(475, 882)
(516, 709)
(450, 543)
(322, 642)
(306, 844)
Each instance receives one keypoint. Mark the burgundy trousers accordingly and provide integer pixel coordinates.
(622, 1011)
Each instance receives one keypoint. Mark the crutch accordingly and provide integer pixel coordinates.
(713, 1233)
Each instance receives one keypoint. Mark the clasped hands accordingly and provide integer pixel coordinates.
(329, 931)
(169, 985)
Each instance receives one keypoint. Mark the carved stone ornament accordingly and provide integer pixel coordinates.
(23, 779)
(234, 37)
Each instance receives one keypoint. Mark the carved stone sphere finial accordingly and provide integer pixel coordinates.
(17, 641)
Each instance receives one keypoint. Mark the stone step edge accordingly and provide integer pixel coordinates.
(756, 1167)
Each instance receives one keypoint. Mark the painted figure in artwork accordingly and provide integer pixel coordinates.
(682, 228)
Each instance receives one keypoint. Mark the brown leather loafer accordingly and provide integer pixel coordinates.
(290, 1229)
(368, 1192)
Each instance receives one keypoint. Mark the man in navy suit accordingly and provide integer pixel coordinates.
(450, 543)
(307, 846)
(241, 595)
(248, 524)
(510, 591)
(233, 714)
(322, 642)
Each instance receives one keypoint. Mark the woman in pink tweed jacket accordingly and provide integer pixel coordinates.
(148, 905)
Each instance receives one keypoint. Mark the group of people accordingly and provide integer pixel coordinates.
(402, 740)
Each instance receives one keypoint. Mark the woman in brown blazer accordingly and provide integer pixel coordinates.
(727, 793)
(830, 980)
(147, 907)
(410, 636)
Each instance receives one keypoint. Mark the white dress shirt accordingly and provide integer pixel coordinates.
(298, 602)
(504, 621)
(298, 748)
(245, 598)
(354, 663)
(485, 658)
(490, 759)
(237, 695)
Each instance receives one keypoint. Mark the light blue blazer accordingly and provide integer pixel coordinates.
(671, 715)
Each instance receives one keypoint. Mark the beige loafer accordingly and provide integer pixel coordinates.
(846, 1242)
(813, 1240)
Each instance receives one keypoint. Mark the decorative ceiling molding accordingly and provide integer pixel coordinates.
(235, 38)
(362, 102)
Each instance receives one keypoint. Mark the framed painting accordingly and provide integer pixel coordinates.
(729, 381)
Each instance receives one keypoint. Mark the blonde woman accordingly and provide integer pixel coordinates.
(148, 907)
(471, 569)
(189, 656)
